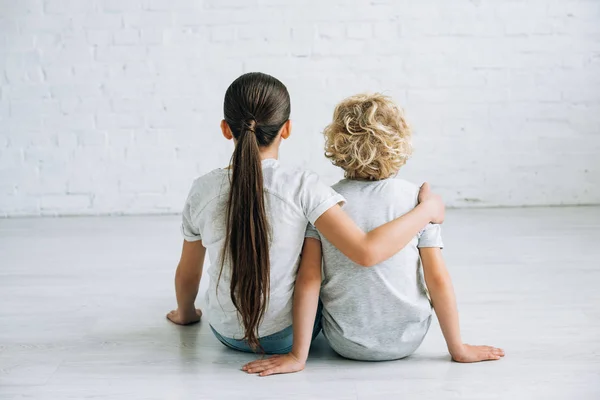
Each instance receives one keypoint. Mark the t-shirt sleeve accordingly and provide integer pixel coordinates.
(316, 197)
(431, 236)
(189, 230)
(311, 232)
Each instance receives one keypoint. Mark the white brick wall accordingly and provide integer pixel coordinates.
(113, 106)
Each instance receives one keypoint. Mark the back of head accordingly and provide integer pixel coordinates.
(368, 137)
(256, 106)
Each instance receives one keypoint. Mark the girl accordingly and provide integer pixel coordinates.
(384, 312)
(251, 217)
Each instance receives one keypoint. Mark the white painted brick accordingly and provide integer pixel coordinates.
(119, 121)
(124, 88)
(235, 4)
(70, 204)
(582, 94)
(26, 91)
(121, 105)
(120, 139)
(333, 48)
(97, 21)
(304, 32)
(105, 54)
(19, 42)
(16, 205)
(574, 9)
(331, 30)
(82, 53)
(136, 182)
(152, 36)
(59, 73)
(359, 31)
(171, 5)
(98, 37)
(147, 19)
(386, 31)
(57, 122)
(222, 34)
(257, 32)
(68, 7)
(23, 127)
(23, 8)
(192, 36)
(126, 37)
(92, 139)
(120, 6)
(45, 24)
(84, 105)
(114, 203)
(172, 120)
(113, 106)
(89, 76)
(22, 109)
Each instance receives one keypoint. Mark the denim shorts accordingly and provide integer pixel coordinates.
(277, 343)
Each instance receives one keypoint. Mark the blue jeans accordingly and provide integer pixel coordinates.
(277, 343)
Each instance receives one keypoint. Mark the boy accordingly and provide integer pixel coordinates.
(384, 312)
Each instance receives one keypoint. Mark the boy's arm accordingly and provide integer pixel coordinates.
(187, 281)
(441, 291)
(306, 301)
(368, 249)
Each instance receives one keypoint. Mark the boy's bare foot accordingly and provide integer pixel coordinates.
(468, 353)
(180, 317)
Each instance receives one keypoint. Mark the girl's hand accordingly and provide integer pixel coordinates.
(469, 354)
(434, 202)
(279, 364)
(180, 317)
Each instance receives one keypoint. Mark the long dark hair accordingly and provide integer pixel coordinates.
(256, 107)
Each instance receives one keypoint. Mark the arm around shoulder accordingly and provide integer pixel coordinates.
(369, 249)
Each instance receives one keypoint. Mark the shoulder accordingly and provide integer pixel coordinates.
(405, 189)
(402, 184)
(207, 188)
(286, 180)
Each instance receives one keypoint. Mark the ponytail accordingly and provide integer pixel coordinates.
(247, 239)
(256, 107)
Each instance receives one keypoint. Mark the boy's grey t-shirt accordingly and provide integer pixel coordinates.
(293, 198)
(382, 312)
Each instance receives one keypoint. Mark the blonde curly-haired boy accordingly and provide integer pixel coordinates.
(383, 312)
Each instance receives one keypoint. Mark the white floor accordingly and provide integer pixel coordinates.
(82, 304)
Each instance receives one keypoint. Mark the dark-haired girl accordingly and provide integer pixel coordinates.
(252, 216)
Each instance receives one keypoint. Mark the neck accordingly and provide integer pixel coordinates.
(269, 152)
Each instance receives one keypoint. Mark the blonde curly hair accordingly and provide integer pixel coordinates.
(368, 137)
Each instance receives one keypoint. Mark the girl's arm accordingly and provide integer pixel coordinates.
(368, 249)
(306, 300)
(440, 289)
(187, 281)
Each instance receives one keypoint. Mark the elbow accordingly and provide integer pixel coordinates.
(366, 257)
(312, 278)
(436, 280)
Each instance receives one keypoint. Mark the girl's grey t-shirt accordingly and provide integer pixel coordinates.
(293, 198)
(382, 312)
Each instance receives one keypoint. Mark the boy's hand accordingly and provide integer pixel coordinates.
(279, 364)
(180, 317)
(469, 354)
(434, 202)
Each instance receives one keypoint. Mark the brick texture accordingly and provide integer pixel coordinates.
(113, 107)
